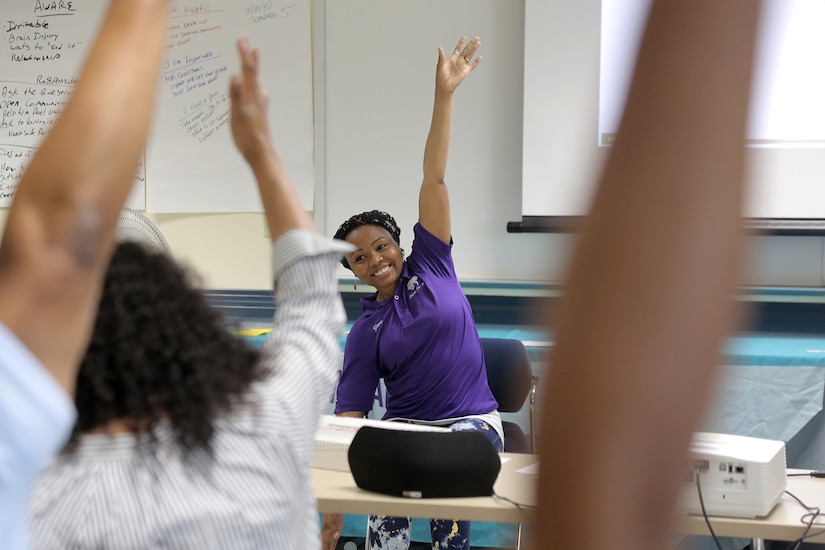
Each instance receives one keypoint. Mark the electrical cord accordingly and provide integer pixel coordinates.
(814, 473)
(813, 513)
(702, 505)
(519, 506)
(809, 519)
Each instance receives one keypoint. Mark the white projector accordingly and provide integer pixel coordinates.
(739, 476)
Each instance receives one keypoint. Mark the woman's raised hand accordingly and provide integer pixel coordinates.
(453, 69)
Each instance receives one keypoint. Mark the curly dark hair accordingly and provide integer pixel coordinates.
(371, 217)
(159, 351)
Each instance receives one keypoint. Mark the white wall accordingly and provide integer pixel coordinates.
(374, 86)
(379, 78)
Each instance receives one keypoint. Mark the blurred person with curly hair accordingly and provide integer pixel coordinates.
(161, 361)
(187, 438)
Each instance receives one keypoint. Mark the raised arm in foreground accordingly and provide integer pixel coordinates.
(632, 370)
(59, 233)
(58, 240)
(433, 199)
(303, 368)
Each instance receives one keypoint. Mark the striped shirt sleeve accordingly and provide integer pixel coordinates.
(303, 349)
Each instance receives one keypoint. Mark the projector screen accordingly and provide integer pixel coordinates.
(578, 61)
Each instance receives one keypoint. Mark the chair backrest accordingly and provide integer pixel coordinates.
(509, 373)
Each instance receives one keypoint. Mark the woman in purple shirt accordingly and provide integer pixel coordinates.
(417, 331)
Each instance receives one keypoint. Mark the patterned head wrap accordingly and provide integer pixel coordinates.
(373, 217)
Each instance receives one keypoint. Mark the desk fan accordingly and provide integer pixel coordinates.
(132, 225)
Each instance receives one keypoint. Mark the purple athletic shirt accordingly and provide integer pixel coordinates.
(423, 342)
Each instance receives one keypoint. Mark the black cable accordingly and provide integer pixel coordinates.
(521, 507)
(813, 513)
(702, 505)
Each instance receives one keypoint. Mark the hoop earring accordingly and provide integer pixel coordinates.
(355, 284)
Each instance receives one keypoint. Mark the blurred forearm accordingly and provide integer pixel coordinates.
(632, 368)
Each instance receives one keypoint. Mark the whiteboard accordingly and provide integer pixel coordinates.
(560, 160)
(562, 154)
(41, 53)
(191, 164)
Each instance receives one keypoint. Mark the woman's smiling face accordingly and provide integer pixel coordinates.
(377, 259)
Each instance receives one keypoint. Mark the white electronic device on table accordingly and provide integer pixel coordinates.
(738, 476)
(335, 433)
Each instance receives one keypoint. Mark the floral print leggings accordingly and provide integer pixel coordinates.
(393, 533)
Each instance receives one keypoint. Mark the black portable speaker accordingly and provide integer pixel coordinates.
(421, 464)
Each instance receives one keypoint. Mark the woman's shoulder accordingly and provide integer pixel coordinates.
(430, 254)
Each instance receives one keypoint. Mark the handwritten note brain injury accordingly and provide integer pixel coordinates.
(190, 162)
(39, 56)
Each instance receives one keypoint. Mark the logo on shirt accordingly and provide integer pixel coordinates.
(414, 285)
(377, 325)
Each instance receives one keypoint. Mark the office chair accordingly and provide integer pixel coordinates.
(511, 380)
